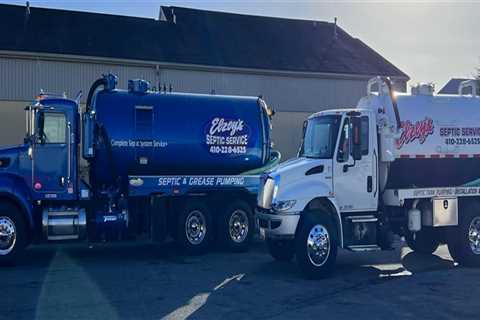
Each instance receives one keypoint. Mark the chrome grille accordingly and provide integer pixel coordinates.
(265, 194)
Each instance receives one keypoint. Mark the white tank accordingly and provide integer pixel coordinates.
(438, 143)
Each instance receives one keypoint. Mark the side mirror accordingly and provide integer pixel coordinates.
(357, 138)
(271, 112)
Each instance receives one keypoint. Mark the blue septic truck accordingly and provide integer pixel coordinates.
(155, 164)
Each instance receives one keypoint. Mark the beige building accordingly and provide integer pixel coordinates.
(297, 66)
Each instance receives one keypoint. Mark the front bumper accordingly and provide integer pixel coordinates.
(275, 225)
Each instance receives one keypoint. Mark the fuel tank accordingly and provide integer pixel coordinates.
(139, 132)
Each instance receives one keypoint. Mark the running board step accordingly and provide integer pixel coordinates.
(357, 219)
(368, 247)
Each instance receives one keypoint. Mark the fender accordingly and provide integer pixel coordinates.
(306, 190)
(336, 208)
(14, 189)
(303, 191)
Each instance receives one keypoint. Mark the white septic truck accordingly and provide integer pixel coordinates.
(403, 164)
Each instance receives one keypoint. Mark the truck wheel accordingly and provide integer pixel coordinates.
(425, 241)
(281, 250)
(236, 226)
(194, 231)
(316, 245)
(464, 241)
(13, 236)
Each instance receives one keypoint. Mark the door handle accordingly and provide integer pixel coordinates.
(369, 184)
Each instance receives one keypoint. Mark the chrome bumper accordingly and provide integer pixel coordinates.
(273, 225)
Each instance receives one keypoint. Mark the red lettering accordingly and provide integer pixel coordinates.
(419, 130)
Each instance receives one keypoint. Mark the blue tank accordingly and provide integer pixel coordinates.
(139, 132)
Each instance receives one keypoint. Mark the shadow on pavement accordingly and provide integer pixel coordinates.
(23, 284)
(143, 281)
(417, 262)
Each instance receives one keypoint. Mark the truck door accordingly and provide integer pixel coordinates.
(355, 181)
(50, 155)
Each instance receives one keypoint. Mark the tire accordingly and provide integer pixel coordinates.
(464, 240)
(316, 225)
(425, 241)
(281, 250)
(194, 227)
(13, 238)
(236, 226)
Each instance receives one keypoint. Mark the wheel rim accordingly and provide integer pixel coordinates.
(474, 235)
(195, 227)
(238, 226)
(8, 235)
(318, 245)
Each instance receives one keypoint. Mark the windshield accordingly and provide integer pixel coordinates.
(320, 137)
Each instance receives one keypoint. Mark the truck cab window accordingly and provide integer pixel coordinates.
(54, 128)
(344, 148)
(320, 137)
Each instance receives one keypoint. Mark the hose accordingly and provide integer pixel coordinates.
(388, 82)
(99, 130)
(99, 82)
(471, 184)
(275, 157)
(102, 134)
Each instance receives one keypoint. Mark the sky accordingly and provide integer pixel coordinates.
(431, 41)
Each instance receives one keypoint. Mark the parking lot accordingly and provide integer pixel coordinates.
(144, 281)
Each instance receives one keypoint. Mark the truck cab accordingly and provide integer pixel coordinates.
(336, 172)
(45, 164)
(41, 172)
(53, 141)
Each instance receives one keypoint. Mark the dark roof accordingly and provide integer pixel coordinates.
(451, 87)
(191, 36)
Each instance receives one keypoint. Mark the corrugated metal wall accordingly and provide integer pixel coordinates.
(12, 122)
(294, 98)
(22, 79)
(284, 93)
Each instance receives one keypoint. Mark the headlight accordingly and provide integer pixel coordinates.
(283, 205)
(266, 193)
(275, 191)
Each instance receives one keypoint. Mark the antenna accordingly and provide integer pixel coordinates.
(335, 34)
(27, 14)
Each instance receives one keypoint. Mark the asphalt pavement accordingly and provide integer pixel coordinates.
(146, 281)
